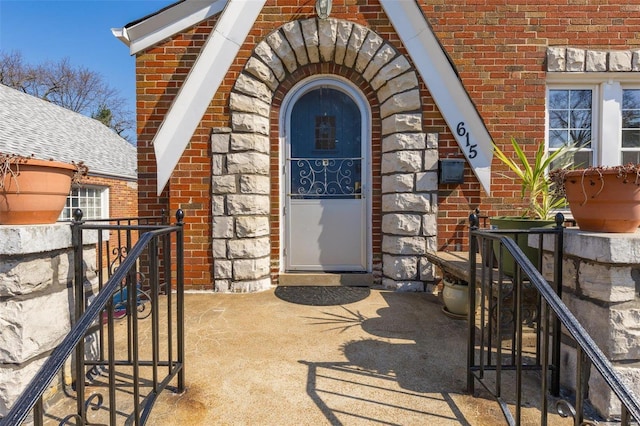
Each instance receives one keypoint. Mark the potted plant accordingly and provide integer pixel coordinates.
(455, 295)
(537, 188)
(602, 199)
(34, 191)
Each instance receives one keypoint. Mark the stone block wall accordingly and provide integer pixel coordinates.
(240, 209)
(246, 172)
(409, 205)
(601, 283)
(36, 301)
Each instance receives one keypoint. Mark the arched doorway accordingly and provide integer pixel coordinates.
(326, 212)
(401, 221)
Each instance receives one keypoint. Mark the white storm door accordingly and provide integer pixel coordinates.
(325, 170)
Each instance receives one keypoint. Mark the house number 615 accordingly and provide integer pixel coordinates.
(462, 132)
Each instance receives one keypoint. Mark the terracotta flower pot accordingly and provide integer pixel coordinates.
(603, 201)
(36, 194)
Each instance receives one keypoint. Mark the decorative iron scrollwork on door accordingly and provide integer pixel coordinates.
(325, 178)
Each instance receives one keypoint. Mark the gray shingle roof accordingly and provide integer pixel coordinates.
(29, 125)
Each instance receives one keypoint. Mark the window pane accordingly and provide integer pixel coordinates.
(631, 99)
(631, 138)
(580, 138)
(631, 157)
(580, 119)
(570, 122)
(580, 99)
(630, 120)
(86, 198)
(558, 138)
(325, 132)
(558, 99)
(558, 119)
(582, 158)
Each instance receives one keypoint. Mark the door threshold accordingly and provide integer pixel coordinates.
(328, 279)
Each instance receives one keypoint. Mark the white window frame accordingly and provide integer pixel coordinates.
(607, 89)
(626, 87)
(104, 203)
(595, 125)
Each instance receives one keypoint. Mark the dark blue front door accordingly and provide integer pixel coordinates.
(326, 224)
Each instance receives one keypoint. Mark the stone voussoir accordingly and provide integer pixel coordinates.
(293, 33)
(390, 74)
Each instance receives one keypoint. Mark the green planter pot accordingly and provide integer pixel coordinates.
(517, 223)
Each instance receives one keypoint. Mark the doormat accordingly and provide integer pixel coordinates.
(322, 296)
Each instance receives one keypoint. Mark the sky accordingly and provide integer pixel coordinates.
(50, 30)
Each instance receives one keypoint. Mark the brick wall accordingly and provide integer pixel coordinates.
(123, 195)
(160, 72)
(498, 50)
(123, 203)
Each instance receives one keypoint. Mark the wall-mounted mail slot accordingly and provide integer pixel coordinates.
(451, 170)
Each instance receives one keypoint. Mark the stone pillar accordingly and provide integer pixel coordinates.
(240, 208)
(601, 280)
(36, 300)
(409, 199)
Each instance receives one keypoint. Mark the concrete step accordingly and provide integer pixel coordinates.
(325, 279)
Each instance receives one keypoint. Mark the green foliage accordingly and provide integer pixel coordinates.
(104, 115)
(534, 179)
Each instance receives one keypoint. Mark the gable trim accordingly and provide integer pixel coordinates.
(444, 85)
(167, 23)
(201, 84)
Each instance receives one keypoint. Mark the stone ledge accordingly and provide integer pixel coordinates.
(570, 59)
(26, 239)
(597, 246)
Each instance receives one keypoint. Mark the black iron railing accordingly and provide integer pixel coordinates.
(515, 328)
(127, 343)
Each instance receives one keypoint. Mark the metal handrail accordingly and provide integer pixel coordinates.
(31, 398)
(162, 219)
(525, 269)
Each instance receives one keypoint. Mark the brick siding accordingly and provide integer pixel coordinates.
(123, 203)
(498, 49)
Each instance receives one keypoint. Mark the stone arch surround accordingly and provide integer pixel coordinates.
(241, 186)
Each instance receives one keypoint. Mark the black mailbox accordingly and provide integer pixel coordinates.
(451, 170)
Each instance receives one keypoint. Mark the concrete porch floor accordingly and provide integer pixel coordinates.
(369, 356)
(390, 359)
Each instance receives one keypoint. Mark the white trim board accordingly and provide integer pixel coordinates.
(167, 23)
(444, 85)
(201, 84)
